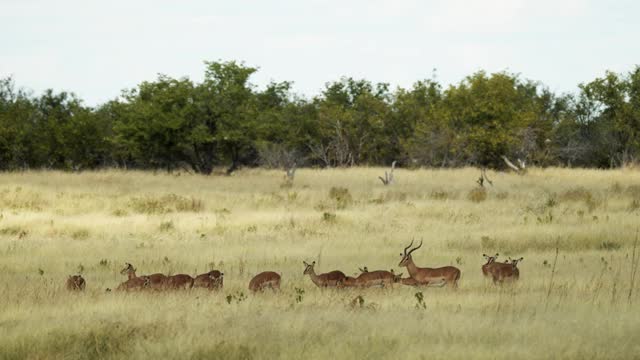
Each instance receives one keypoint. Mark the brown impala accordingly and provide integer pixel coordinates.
(507, 271)
(179, 281)
(449, 274)
(330, 279)
(368, 278)
(490, 261)
(75, 283)
(156, 281)
(135, 283)
(211, 280)
(265, 280)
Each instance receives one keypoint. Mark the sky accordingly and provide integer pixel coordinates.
(98, 48)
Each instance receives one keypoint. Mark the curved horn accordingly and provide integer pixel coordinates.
(414, 249)
(405, 249)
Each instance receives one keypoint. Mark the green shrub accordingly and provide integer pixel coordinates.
(165, 204)
(477, 195)
(439, 195)
(329, 217)
(341, 196)
(166, 226)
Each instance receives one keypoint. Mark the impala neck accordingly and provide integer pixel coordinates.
(131, 274)
(411, 268)
(314, 277)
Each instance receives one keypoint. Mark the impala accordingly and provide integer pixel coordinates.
(348, 281)
(156, 281)
(75, 283)
(490, 260)
(136, 283)
(330, 279)
(265, 280)
(376, 278)
(211, 280)
(424, 276)
(179, 281)
(507, 271)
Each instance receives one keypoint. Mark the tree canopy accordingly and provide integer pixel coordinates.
(227, 121)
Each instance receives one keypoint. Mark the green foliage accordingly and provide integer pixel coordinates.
(165, 204)
(225, 120)
(341, 196)
(477, 195)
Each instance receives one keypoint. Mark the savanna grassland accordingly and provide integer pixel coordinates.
(54, 224)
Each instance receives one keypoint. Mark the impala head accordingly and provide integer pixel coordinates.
(76, 280)
(128, 268)
(406, 256)
(363, 269)
(217, 277)
(514, 262)
(490, 259)
(308, 268)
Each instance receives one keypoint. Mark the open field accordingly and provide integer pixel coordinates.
(55, 224)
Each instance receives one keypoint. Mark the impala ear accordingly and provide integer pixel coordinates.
(521, 259)
(313, 263)
(497, 254)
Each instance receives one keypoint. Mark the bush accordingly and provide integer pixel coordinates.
(477, 195)
(439, 195)
(329, 217)
(581, 194)
(165, 204)
(341, 196)
(166, 226)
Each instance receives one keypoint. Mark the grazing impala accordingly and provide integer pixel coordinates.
(156, 281)
(330, 279)
(75, 283)
(449, 274)
(507, 271)
(490, 260)
(265, 280)
(179, 281)
(211, 280)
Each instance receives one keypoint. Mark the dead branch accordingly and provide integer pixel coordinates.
(519, 169)
(388, 177)
(483, 177)
(291, 172)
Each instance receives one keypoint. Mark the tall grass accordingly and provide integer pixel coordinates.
(53, 224)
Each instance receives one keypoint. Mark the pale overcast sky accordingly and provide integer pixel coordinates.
(97, 48)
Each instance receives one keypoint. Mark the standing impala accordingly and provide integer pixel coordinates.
(179, 281)
(330, 279)
(507, 271)
(449, 274)
(491, 260)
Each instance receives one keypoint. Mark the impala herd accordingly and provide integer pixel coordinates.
(499, 272)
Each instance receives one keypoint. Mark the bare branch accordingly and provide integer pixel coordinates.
(388, 177)
(513, 166)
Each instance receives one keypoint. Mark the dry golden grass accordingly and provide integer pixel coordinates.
(54, 224)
